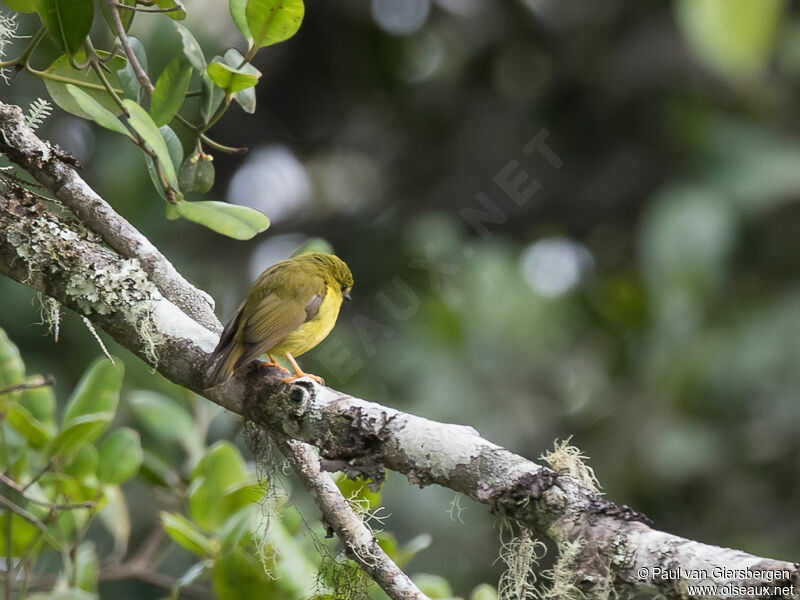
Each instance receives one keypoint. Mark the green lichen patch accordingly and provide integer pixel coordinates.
(63, 254)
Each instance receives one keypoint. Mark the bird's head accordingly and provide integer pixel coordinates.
(334, 270)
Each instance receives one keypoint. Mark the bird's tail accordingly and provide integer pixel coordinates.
(224, 359)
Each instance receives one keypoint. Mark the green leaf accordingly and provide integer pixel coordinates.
(157, 471)
(128, 80)
(733, 37)
(97, 112)
(40, 402)
(97, 392)
(84, 463)
(174, 146)
(125, 15)
(170, 90)
(25, 534)
(91, 84)
(178, 15)
(67, 21)
(245, 98)
(240, 576)
(239, 16)
(221, 486)
(433, 586)
(86, 567)
(237, 222)
(166, 419)
(211, 96)
(120, 456)
(147, 129)
(12, 369)
(483, 592)
(115, 516)
(231, 79)
(186, 534)
(358, 489)
(85, 428)
(34, 431)
(191, 49)
(197, 173)
(26, 6)
(273, 21)
(315, 244)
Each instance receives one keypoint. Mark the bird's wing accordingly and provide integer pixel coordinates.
(276, 315)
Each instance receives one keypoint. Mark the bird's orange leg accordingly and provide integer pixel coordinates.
(300, 373)
(273, 363)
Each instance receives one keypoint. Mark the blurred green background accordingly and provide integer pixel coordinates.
(643, 300)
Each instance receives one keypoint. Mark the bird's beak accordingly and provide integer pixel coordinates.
(347, 297)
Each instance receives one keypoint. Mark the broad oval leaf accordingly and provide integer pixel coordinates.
(97, 112)
(239, 575)
(170, 90)
(60, 73)
(67, 21)
(86, 567)
(273, 21)
(211, 96)
(125, 15)
(197, 173)
(41, 402)
(239, 16)
(166, 419)
(237, 222)
(131, 87)
(115, 516)
(121, 456)
(174, 146)
(34, 431)
(147, 129)
(83, 463)
(188, 535)
(245, 98)
(86, 428)
(179, 12)
(230, 79)
(12, 369)
(191, 49)
(97, 391)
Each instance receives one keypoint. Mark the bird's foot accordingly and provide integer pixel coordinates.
(301, 374)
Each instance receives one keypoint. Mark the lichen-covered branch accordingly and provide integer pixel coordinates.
(360, 545)
(57, 171)
(69, 263)
(617, 546)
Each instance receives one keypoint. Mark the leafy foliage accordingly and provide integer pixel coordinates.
(110, 88)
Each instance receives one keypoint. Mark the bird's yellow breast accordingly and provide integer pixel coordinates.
(312, 332)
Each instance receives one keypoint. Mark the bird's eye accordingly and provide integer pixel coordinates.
(344, 286)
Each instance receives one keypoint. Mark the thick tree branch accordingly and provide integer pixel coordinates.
(57, 171)
(617, 544)
(117, 294)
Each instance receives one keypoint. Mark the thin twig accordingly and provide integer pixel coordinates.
(146, 10)
(38, 475)
(28, 385)
(55, 506)
(141, 75)
(358, 540)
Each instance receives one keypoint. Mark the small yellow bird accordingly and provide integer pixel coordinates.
(290, 308)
